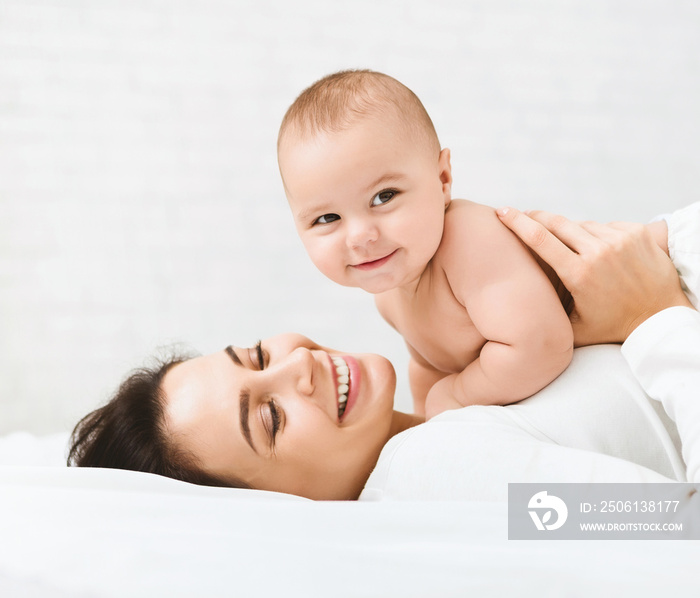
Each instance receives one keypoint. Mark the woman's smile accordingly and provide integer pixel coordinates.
(302, 408)
(347, 371)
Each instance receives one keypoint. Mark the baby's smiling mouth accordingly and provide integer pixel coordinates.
(342, 372)
(371, 264)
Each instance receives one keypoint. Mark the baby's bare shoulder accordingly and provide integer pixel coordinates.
(471, 229)
(477, 251)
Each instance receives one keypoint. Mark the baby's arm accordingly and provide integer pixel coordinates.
(422, 377)
(511, 302)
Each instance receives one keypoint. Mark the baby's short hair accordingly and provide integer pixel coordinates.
(337, 101)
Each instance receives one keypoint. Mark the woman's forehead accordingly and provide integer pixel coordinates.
(202, 412)
(196, 387)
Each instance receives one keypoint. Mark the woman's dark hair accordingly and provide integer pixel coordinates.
(129, 433)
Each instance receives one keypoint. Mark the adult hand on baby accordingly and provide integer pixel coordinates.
(618, 276)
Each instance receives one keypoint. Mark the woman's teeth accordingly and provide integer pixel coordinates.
(343, 374)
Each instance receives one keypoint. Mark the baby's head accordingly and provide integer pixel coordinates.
(366, 179)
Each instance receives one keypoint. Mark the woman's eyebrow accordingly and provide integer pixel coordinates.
(245, 428)
(243, 401)
(232, 354)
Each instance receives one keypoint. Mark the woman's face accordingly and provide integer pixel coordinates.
(286, 415)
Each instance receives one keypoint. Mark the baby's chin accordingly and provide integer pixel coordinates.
(383, 284)
(374, 285)
(375, 288)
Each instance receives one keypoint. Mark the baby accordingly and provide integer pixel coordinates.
(370, 190)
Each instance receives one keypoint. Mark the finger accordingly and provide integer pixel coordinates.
(605, 232)
(539, 239)
(568, 232)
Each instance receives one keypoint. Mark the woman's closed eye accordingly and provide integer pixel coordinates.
(383, 197)
(272, 415)
(272, 419)
(259, 357)
(325, 219)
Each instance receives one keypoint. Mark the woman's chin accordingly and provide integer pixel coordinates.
(383, 380)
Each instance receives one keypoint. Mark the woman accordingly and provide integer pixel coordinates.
(291, 416)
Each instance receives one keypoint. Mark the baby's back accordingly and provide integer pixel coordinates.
(435, 320)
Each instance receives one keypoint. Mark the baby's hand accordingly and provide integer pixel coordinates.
(422, 378)
(447, 394)
(441, 398)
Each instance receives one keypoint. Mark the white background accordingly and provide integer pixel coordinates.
(140, 202)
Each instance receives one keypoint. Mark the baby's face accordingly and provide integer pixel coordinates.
(368, 202)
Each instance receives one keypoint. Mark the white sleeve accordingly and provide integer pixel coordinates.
(664, 355)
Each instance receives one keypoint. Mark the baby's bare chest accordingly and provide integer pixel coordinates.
(438, 328)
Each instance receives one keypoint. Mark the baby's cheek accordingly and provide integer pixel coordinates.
(330, 265)
(327, 258)
(314, 251)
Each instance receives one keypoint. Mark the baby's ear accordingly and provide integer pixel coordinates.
(445, 170)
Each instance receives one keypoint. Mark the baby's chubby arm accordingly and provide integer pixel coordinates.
(511, 302)
(422, 377)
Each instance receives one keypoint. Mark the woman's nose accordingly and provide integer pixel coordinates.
(297, 370)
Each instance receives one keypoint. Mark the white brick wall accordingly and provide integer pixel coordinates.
(139, 196)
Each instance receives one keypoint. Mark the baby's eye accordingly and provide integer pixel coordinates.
(326, 219)
(383, 197)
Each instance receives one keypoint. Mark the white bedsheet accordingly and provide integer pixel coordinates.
(23, 448)
(104, 533)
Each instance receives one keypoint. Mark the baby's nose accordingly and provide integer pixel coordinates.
(361, 233)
